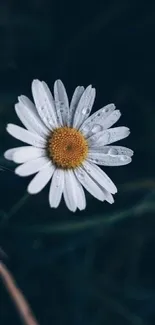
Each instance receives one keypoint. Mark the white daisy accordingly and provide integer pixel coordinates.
(66, 145)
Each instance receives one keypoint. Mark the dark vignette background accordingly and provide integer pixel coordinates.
(97, 266)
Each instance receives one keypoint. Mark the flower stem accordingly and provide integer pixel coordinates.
(17, 297)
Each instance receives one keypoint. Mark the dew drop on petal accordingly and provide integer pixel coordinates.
(81, 175)
(96, 128)
(124, 158)
(95, 160)
(44, 119)
(106, 109)
(88, 170)
(85, 111)
(112, 151)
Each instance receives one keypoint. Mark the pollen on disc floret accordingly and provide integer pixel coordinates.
(67, 147)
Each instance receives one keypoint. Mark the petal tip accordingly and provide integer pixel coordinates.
(8, 127)
(17, 105)
(83, 208)
(6, 156)
(17, 172)
(113, 105)
(35, 82)
(58, 82)
(20, 98)
(29, 191)
(15, 158)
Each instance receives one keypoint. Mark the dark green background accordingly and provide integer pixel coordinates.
(97, 266)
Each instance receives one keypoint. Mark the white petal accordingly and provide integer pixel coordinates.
(32, 167)
(97, 119)
(31, 120)
(44, 103)
(56, 188)
(24, 154)
(74, 102)
(108, 160)
(88, 183)
(111, 119)
(108, 136)
(101, 125)
(100, 177)
(25, 101)
(69, 192)
(50, 104)
(81, 198)
(108, 197)
(41, 179)
(61, 102)
(8, 154)
(84, 107)
(113, 150)
(25, 136)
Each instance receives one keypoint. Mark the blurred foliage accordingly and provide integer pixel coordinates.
(96, 266)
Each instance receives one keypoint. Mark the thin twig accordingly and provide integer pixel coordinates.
(15, 208)
(17, 297)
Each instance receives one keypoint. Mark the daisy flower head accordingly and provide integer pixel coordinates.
(65, 144)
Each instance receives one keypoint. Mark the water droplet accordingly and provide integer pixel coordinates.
(44, 118)
(112, 151)
(96, 128)
(106, 109)
(85, 111)
(48, 119)
(124, 158)
(81, 175)
(88, 170)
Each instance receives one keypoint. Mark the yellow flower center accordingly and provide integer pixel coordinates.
(67, 147)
